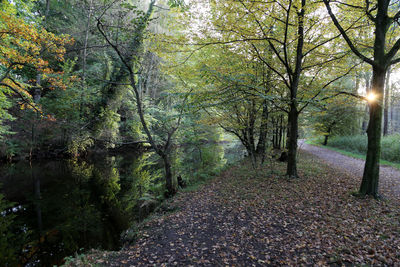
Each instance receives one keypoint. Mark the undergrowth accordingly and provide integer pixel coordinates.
(358, 144)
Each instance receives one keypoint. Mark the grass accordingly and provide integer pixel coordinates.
(356, 155)
(390, 145)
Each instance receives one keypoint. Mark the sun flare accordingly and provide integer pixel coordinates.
(371, 97)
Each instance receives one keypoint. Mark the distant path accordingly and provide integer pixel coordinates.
(389, 177)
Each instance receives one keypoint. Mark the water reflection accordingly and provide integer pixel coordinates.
(68, 205)
(60, 207)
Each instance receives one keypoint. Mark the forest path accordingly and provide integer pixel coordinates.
(389, 181)
(247, 217)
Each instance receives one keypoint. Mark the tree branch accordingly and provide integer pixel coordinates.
(20, 95)
(393, 51)
(346, 37)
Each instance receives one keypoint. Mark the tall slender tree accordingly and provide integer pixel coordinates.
(382, 58)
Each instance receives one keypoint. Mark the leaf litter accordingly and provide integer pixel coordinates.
(249, 217)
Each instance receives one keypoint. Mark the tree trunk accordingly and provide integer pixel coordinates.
(369, 184)
(276, 134)
(393, 122)
(291, 170)
(250, 134)
(327, 137)
(326, 140)
(328, 134)
(260, 150)
(128, 66)
(386, 108)
(168, 176)
(273, 132)
(284, 135)
(47, 11)
(380, 64)
(293, 129)
(280, 132)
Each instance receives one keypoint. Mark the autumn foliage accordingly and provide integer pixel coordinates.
(23, 44)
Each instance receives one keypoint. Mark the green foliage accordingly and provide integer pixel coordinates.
(79, 143)
(339, 117)
(177, 3)
(358, 144)
(144, 182)
(110, 125)
(67, 109)
(200, 155)
(391, 148)
(5, 104)
(9, 149)
(226, 85)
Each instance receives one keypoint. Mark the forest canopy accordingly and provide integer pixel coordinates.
(256, 132)
(84, 75)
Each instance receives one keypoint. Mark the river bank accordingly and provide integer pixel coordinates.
(56, 208)
(258, 217)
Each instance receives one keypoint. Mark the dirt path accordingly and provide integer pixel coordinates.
(261, 218)
(389, 176)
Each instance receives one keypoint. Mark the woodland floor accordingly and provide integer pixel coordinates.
(259, 218)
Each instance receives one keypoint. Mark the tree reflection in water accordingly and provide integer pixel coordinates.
(53, 209)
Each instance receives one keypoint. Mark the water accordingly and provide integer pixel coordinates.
(63, 207)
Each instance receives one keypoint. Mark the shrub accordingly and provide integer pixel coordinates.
(358, 144)
(391, 148)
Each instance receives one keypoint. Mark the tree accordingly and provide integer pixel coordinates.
(130, 62)
(293, 34)
(23, 47)
(236, 100)
(383, 57)
(337, 117)
(289, 39)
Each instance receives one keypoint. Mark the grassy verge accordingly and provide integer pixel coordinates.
(351, 154)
